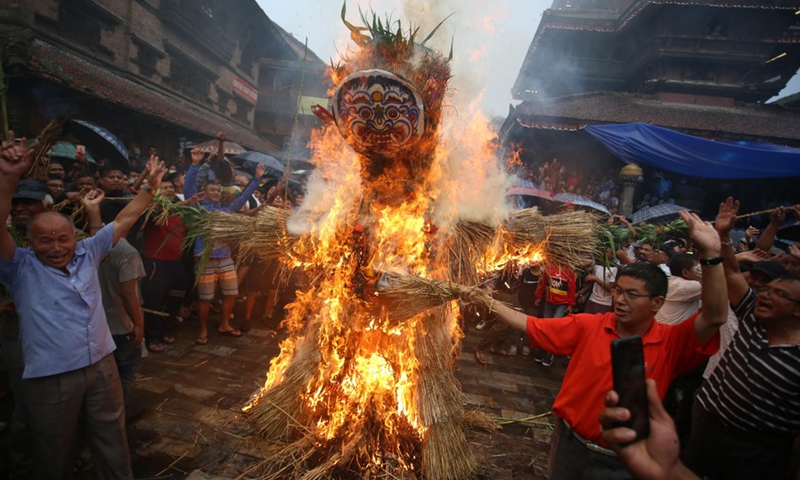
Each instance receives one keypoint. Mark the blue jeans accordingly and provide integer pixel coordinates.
(129, 358)
(554, 311)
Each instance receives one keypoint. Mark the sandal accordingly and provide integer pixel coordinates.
(168, 340)
(230, 333)
(201, 340)
(156, 348)
(480, 357)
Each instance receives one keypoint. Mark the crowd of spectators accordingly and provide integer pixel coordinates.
(733, 408)
(600, 183)
(134, 280)
(149, 283)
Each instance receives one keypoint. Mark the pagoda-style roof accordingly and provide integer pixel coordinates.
(645, 42)
(574, 112)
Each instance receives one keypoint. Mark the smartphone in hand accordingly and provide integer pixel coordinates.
(627, 361)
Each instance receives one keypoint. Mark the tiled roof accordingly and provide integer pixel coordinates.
(576, 19)
(58, 65)
(764, 121)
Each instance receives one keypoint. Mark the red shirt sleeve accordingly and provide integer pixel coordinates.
(684, 347)
(558, 336)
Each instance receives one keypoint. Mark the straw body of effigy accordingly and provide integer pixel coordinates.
(263, 234)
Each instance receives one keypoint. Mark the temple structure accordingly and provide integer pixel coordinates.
(164, 73)
(701, 67)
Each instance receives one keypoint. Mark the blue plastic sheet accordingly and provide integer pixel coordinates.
(646, 144)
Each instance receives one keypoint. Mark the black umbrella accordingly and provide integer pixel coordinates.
(657, 214)
(101, 142)
(274, 167)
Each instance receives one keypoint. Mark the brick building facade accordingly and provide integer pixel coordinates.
(154, 72)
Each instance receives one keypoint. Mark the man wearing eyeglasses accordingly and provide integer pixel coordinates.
(577, 450)
(746, 415)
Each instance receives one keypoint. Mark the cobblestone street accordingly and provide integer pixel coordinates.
(186, 422)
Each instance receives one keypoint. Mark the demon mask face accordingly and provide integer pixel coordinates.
(378, 112)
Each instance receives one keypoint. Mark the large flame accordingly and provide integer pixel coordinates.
(370, 378)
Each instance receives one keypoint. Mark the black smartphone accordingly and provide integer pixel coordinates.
(627, 361)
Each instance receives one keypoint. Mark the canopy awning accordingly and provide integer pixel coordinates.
(646, 144)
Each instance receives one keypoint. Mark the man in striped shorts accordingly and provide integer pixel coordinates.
(747, 413)
(219, 269)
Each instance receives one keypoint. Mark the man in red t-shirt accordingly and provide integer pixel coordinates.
(166, 273)
(577, 451)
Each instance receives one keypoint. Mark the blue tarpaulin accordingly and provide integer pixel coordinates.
(696, 157)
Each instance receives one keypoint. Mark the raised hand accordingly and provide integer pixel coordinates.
(260, 170)
(752, 256)
(15, 158)
(93, 198)
(726, 216)
(751, 232)
(156, 171)
(704, 236)
(794, 250)
(778, 216)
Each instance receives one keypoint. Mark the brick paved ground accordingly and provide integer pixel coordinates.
(188, 426)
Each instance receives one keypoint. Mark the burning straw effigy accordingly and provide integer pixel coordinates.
(363, 386)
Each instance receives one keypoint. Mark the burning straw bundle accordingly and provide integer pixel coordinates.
(408, 295)
(263, 235)
(569, 238)
(526, 237)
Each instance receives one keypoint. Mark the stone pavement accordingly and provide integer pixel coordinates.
(186, 423)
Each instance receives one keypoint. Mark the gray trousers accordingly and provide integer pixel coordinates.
(571, 460)
(20, 464)
(89, 399)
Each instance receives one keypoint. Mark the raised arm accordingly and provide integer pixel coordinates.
(767, 238)
(190, 181)
(91, 203)
(128, 216)
(15, 161)
(736, 284)
(239, 202)
(140, 179)
(509, 316)
(714, 294)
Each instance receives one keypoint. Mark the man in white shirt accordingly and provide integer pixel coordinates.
(683, 294)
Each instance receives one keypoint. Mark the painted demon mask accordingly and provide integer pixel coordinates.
(378, 112)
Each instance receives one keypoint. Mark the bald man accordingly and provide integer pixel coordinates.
(70, 377)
